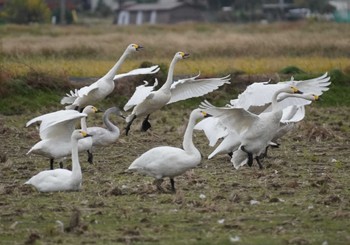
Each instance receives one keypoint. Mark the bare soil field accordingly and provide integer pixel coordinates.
(302, 195)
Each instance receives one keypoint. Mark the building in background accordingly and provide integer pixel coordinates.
(162, 12)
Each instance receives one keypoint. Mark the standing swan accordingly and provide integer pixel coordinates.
(61, 179)
(145, 100)
(56, 129)
(167, 161)
(99, 89)
(102, 136)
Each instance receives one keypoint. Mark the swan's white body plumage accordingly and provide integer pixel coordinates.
(105, 136)
(61, 179)
(55, 132)
(292, 106)
(255, 131)
(166, 161)
(146, 100)
(105, 85)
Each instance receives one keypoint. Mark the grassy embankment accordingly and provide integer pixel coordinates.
(38, 61)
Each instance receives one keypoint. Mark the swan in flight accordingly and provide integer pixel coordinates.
(62, 179)
(257, 99)
(55, 133)
(145, 101)
(255, 131)
(97, 91)
(105, 136)
(167, 161)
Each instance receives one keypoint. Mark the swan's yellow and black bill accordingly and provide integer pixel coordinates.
(85, 134)
(316, 97)
(296, 90)
(137, 47)
(185, 55)
(205, 114)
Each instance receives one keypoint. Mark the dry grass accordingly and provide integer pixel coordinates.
(90, 51)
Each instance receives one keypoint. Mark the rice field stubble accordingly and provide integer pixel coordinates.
(301, 197)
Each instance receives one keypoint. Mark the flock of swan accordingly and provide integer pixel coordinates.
(245, 127)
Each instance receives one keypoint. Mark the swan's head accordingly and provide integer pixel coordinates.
(134, 47)
(181, 55)
(199, 113)
(293, 90)
(90, 109)
(80, 134)
(313, 97)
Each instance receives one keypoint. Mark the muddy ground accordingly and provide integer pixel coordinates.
(302, 196)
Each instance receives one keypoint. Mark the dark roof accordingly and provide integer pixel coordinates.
(154, 6)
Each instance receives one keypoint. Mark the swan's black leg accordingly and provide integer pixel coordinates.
(250, 156)
(51, 163)
(230, 154)
(172, 181)
(145, 124)
(127, 128)
(90, 157)
(259, 163)
(61, 164)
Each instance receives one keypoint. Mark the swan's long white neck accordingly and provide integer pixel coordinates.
(110, 75)
(83, 124)
(274, 101)
(187, 143)
(110, 126)
(169, 80)
(76, 169)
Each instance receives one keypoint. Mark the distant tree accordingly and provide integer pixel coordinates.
(26, 11)
(321, 6)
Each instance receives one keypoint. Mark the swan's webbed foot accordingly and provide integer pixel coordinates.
(90, 157)
(51, 163)
(128, 126)
(145, 124)
(250, 156)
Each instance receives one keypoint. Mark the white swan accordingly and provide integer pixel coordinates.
(257, 99)
(61, 179)
(145, 100)
(105, 136)
(166, 161)
(99, 89)
(255, 131)
(55, 133)
(231, 141)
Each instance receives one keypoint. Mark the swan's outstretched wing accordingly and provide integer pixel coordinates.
(315, 86)
(191, 87)
(140, 94)
(213, 129)
(78, 93)
(139, 71)
(260, 94)
(57, 124)
(293, 114)
(235, 119)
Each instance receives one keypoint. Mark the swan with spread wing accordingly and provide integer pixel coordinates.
(145, 100)
(97, 91)
(257, 99)
(55, 133)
